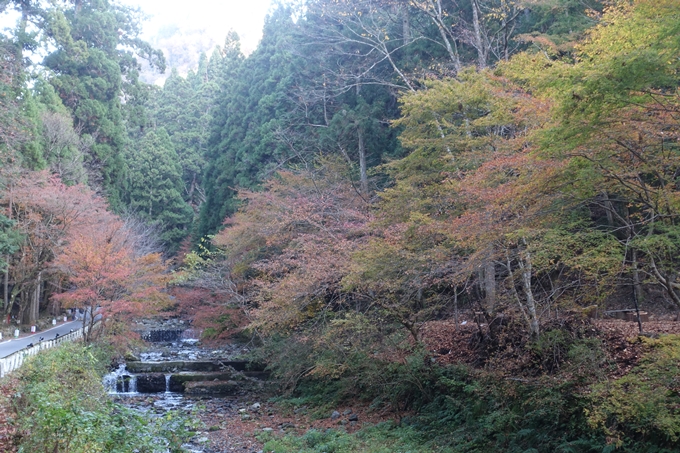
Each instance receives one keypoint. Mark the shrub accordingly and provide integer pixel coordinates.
(644, 405)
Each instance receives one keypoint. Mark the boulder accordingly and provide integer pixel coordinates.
(131, 357)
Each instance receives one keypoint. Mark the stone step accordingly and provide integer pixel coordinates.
(201, 365)
(179, 381)
(151, 383)
(211, 388)
(161, 335)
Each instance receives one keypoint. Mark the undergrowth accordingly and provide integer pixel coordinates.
(383, 438)
(575, 409)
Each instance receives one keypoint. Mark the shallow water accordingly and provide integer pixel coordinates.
(122, 385)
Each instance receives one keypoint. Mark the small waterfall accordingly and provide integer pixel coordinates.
(133, 384)
(167, 383)
(191, 335)
(120, 381)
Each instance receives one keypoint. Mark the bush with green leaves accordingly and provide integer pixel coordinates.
(460, 409)
(643, 405)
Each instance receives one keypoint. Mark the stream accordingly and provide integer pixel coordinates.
(178, 373)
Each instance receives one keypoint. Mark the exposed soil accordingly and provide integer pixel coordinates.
(622, 343)
(451, 342)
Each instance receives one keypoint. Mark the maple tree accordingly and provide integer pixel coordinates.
(46, 211)
(614, 127)
(456, 196)
(68, 236)
(292, 243)
(106, 276)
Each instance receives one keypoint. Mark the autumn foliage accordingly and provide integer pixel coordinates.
(104, 274)
(291, 244)
(543, 186)
(74, 249)
(215, 317)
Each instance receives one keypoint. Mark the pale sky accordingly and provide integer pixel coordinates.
(196, 25)
(217, 17)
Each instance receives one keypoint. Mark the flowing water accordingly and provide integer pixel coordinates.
(121, 384)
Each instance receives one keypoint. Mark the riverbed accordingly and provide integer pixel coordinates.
(217, 416)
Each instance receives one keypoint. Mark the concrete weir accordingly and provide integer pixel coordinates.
(194, 377)
(192, 365)
(177, 364)
(191, 382)
(218, 377)
(162, 336)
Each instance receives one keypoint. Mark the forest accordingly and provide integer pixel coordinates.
(428, 205)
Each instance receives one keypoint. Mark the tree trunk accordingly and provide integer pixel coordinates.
(525, 266)
(406, 24)
(665, 282)
(490, 286)
(34, 307)
(22, 307)
(637, 282)
(609, 209)
(362, 163)
(453, 53)
(12, 298)
(513, 287)
(5, 294)
(506, 38)
(455, 307)
(438, 19)
(192, 187)
(479, 41)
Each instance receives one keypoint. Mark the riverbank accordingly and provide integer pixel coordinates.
(604, 388)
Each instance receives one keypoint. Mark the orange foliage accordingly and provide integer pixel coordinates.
(70, 234)
(104, 272)
(47, 212)
(210, 312)
(296, 239)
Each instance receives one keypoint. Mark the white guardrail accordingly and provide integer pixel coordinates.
(15, 360)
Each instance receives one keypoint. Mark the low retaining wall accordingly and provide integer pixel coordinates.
(162, 335)
(14, 361)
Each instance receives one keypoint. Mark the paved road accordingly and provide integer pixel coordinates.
(14, 345)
